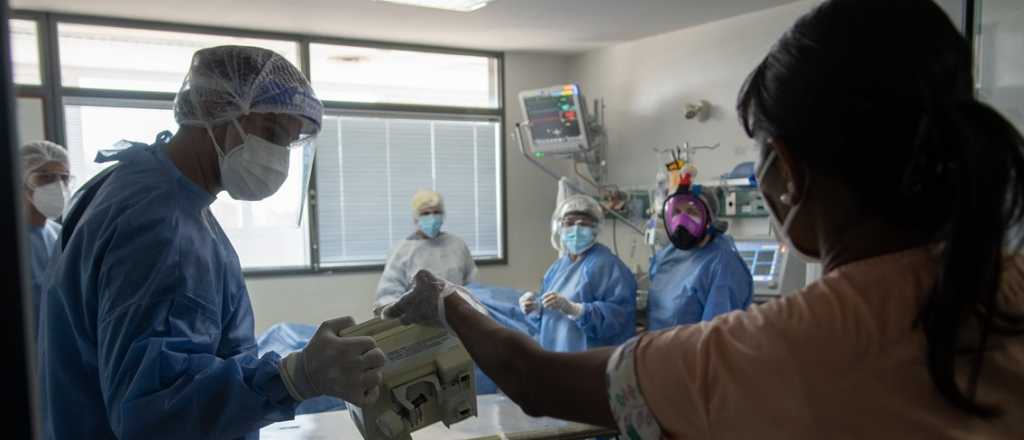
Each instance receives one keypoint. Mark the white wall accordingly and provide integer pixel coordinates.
(645, 84)
(530, 196)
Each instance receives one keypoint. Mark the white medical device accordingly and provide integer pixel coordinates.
(556, 120)
(429, 378)
(777, 271)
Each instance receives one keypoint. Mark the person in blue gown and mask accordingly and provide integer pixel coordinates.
(589, 295)
(146, 328)
(47, 174)
(701, 274)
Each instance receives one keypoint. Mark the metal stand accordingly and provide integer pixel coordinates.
(518, 135)
(688, 150)
(522, 149)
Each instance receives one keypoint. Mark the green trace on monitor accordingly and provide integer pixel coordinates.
(539, 155)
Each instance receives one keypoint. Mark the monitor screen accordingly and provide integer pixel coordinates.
(553, 118)
(761, 258)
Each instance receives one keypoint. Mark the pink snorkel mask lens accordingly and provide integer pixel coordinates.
(686, 210)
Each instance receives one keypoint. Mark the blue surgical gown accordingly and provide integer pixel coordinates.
(696, 285)
(43, 241)
(607, 290)
(146, 327)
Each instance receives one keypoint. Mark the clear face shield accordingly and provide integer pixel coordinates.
(304, 154)
(292, 196)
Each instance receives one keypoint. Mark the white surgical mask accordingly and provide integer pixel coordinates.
(50, 199)
(253, 170)
(782, 221)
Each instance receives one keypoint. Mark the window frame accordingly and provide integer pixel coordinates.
(43, 90)
(53, 93)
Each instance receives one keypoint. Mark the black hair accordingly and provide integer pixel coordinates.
(879, 94)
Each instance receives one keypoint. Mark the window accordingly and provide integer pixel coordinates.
(93, 128)
(265, 234)
(1000, 57)
(369, 167)
(25, 52)
(115, 58)
(370, 75)
(31, 119)
(372, 159)
(397, 120)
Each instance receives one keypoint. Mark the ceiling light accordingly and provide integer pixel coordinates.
(448, 5)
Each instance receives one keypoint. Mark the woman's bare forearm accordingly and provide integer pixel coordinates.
(568, 386)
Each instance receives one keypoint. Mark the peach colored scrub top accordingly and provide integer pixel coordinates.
(839, 359)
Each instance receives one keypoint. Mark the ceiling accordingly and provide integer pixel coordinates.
(507, 25)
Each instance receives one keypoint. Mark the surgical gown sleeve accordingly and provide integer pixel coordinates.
(165, 368)
(609, 313)
(395, 279)
(731, 287)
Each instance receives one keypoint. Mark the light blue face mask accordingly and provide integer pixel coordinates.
(577, 239)
(430, 224)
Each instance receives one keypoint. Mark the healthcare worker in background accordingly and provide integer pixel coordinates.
(147, 327)
(428, 248)
(46, 170)
(701, 275)
(589, 295)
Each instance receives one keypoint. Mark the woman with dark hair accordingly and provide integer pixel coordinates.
(877, 160)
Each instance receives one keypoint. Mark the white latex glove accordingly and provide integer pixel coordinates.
(382, 302)
(528, 303)
(348, 368)
(377, 309)
(555, 301)
(424, 303)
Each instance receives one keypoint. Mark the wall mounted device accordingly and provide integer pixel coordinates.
(699, 110)
(556, 119)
